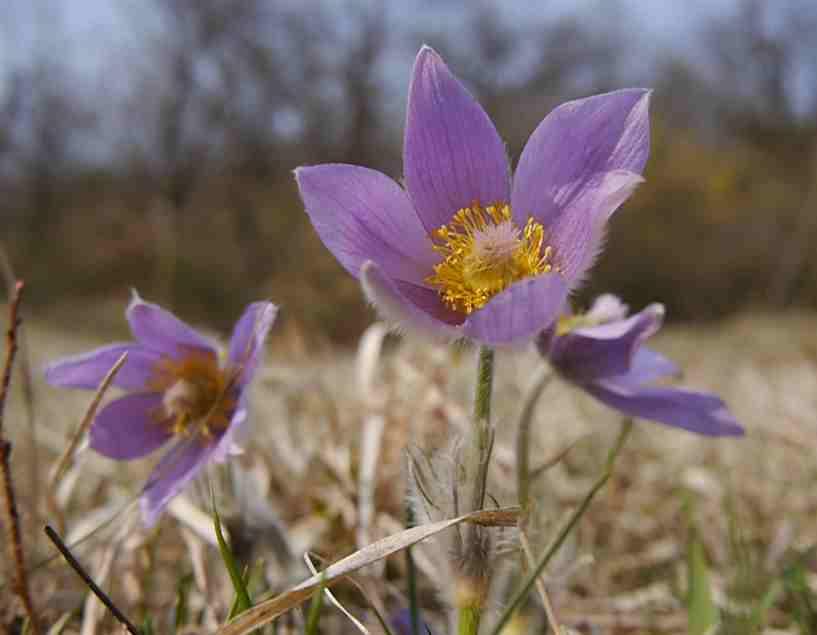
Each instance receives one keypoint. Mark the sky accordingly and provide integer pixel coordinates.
(92, 28)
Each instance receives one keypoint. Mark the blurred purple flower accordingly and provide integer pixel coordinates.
(463, 251)
(602, 352)
(177, 390)
(400, 621)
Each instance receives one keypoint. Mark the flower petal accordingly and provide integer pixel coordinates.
(576, 141)
(453, 155)
(229, 442)
(161, 331)
(125, 428)
(87, 370)
(247, 341)
(401, 623)
(649, 365)
(605, 350)
(175, 470)
(576, 234)
(519, 313)
(415, 308)
(361, 214)
(699, 412)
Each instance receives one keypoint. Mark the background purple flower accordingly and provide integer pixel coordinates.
(400, 621)
(602, 352)
(178, 391)
(463, 251)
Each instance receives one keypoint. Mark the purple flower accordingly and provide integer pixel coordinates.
(178, 391)
(602, 353)
(463, 251)
(400, 622)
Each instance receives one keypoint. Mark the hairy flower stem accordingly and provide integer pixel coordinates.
(536, 571)
(523, 473)
(473, 583)
(483, 432)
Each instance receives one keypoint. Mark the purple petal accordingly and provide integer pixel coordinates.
(576, 234)
(411, 307)
(176, 469)
(89, 369)
(361, 214)
(702, 413)
(453, 155)
(519, 313)
(605, 350)
(229, 442)
(161, 331)
(247, 341)
(127, 427)
(649, 365)
(400, 621)
(576, 141)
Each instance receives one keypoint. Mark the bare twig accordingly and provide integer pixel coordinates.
(99, 593)
(540, 585)
(64, 461)
(11, 518)
(27, 384)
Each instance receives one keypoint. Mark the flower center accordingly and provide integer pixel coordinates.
(485, 252)
(197, 396)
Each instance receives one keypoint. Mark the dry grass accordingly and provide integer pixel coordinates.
(324, 471)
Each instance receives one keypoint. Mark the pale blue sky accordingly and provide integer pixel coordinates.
(86, 31)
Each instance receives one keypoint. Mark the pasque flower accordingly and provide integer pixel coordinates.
(463, 251)
(602, 353)
(179, 391)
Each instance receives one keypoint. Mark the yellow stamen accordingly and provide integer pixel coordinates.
(198, 399)
(485, 252)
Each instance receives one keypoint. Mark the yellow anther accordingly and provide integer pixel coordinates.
(484, 253)
(198, 399)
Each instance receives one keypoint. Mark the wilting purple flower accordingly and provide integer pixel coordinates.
(602, 352)
(463, 251)
(178, 390)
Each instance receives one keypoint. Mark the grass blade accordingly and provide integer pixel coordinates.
(315, 609)
(266, 611)
(702, 613)
(243, 602)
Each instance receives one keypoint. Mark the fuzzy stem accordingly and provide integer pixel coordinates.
(523, 473)
(483, 434)
(522, 593)
(474, 567)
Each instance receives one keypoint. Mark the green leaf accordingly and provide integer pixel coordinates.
(243, 602)
(702, 614)
(182, 592)
(315, 609)
(147, 625)
(800, 595)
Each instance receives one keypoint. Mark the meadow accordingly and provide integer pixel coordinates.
(208, 155)
(324, 473)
